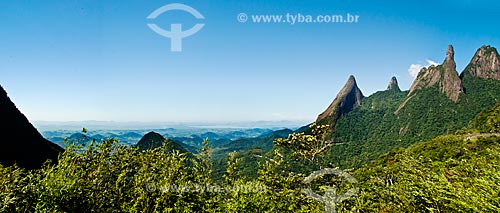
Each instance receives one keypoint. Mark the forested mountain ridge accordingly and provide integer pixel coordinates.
(440, 101)
(450, 173)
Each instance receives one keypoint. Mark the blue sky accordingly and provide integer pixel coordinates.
(97, 60)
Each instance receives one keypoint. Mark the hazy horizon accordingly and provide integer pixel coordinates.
(138, 125)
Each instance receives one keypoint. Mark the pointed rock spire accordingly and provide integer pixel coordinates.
(444, 75)
(347, 99)
(450, 54)
(29, 149)
(393, 85)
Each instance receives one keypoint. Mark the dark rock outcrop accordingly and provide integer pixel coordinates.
(348, 98)
(21, 143)
(153, 140)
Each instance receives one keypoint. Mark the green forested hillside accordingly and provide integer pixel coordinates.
(371, 129)
(249, 149)
(450, 173)
(447, 174)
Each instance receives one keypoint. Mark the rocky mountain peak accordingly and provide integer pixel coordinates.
(393, 85)
(485, 63)
(445, 76)
(347, 99)
(351, 79)
(29, 149)
(3, 93)
(450, 54)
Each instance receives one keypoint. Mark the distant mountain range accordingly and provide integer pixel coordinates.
(21, 143)
(49, 126)
(191, 137)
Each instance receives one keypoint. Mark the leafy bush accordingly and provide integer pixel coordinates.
(108, 177)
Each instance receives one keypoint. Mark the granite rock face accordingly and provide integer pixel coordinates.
(485, 63)
(348, 98)
(393, 85)
(445, 76)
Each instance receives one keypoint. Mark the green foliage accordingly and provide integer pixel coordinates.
(108, 177)
(247, 166)
(446, 174)
(104, 177)
(231, 170)
(487, 121)
(451, 173)
(14, 189)
(250, 149)
(306, 146)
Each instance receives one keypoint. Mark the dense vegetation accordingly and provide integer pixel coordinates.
(108, 177)
(249, 149)
(450, 173)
